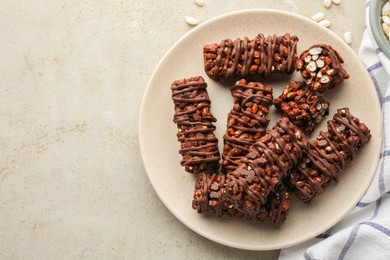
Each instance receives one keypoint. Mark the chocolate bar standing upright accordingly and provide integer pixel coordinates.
(247, 121)
(199, 146)
(302, 106)
(261, 171)
(321, 66)
(244, 57)
(328, 154)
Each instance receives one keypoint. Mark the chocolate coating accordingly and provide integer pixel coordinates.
(246, 121)
(278, 204)
(261, 171)
(302, 106)
(199, 146)
(243, 57)
(246, 124)
(328, 154)
(209, 195)
(321, 66)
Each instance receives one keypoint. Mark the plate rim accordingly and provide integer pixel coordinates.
(258, 11)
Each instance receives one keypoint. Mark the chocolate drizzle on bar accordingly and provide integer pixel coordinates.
(328, 154)
(269, 160)
(299, 103)
(261, 167)
(278, 204)
(199, 146)
(208, 193)
(243, 57)
(321, 66)
(246, 124)
(247, 121)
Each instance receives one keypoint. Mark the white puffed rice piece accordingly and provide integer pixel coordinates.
(311, 66)
(386, 19)
(336, 2)
(327, 3)
(348, 37)
(324, 79)
(330, 71)
(199, 3)
(325, 23)
(320, 63)
(318, 17)
(315, 51)
(386, 28)
(191, 20)
(386, 9)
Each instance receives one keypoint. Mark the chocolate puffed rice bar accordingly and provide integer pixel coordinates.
(199, 146)
(247, 121)
(244, 57)
(328, 154)
(209, 195)
(261, 171)
(246, 124)
(278, 204)
(321, 66)
(302, 106)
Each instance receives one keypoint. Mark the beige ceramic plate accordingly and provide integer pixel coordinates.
(159, 146)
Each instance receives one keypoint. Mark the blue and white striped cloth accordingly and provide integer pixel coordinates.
(365, 232)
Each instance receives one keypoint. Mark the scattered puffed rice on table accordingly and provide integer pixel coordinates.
(199, 3)
(336, 2)
(348, 37)
(325, 23)
(318, 17)
(327, 3)
(191, 20)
